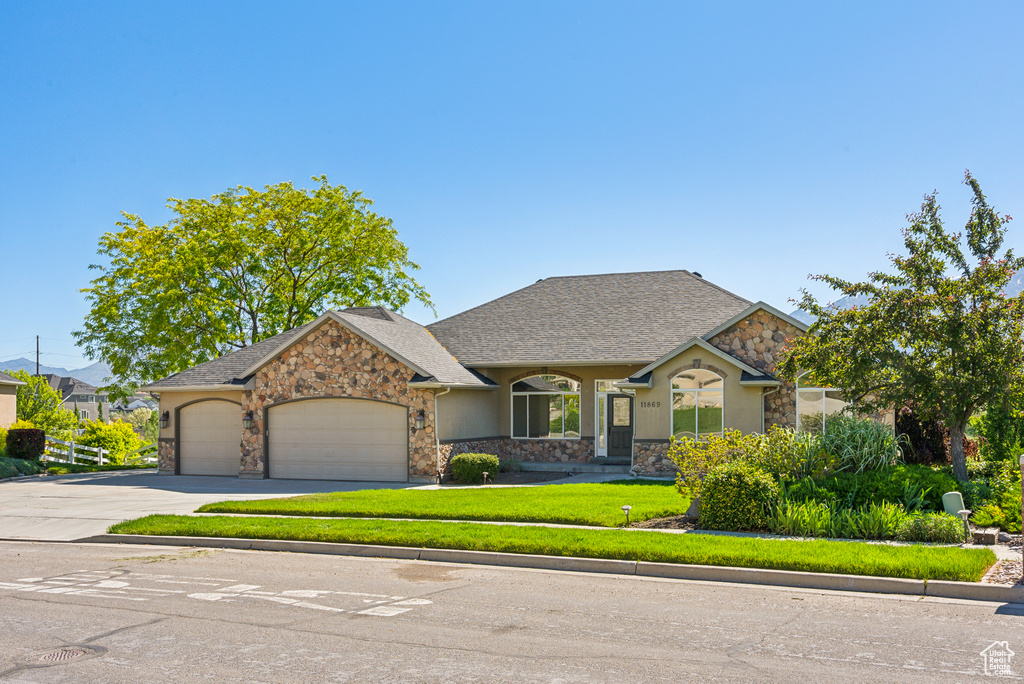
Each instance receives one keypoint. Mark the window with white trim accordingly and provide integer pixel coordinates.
(546, 407)
(697, 403)
(814, 404)
(83, 414)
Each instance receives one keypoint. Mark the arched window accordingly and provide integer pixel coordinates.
(697, 403)
(546, 407)
(815, 403)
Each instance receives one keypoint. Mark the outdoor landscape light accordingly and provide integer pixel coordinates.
(247, 420)
(165, 420)
(420, 417)
(626, 510)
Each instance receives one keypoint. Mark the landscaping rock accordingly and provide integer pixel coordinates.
(986, 535)
(1004, 538)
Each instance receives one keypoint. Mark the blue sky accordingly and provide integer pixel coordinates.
(753, 142)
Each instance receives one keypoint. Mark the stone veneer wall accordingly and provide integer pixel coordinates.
(328, 362)
(758, 341)
(542, 450)
(649, 458)
(165, 447)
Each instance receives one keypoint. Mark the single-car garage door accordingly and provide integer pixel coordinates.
(339, 439)
(210, 435)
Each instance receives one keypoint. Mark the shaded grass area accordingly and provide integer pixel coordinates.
(9, 467)
(853, 558)
(66, 468)
(571, 504)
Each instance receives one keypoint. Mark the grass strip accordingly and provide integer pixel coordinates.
(71, 468)
(571, 504)
(10, 467)
(852, 558)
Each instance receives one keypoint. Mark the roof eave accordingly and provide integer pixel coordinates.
(703, 345)
(449, 385)
(333, 315)
(584, 362)
(760, 383)
(194, 388)
(753, 308)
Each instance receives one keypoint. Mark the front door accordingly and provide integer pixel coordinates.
(620, 425)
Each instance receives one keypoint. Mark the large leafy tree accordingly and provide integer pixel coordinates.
(938, 332)
(41, 405)
(234, 269)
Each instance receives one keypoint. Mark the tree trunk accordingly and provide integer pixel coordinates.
(956, 451)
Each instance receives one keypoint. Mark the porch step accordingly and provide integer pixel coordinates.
(575, 468)
(612, 460)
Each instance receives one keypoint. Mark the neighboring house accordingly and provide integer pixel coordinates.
(80, 397)
(601, 368)
(8, 399)
(123, 407)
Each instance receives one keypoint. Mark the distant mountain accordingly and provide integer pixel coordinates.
(1013, 288)
(843, 303)
(94, 374)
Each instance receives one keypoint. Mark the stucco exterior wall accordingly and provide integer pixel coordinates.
(741, 405)
(587, 375)
(332, 361)
(8, 404)
(468, 414)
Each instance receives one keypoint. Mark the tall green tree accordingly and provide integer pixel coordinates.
(229, 271)
(938, 332)
(41, 405)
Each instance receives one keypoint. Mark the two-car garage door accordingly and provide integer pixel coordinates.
(338, 439)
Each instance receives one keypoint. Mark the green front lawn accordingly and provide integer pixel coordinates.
(571, 504)
(853, 558)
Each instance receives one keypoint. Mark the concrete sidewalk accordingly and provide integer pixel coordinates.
(68, 507)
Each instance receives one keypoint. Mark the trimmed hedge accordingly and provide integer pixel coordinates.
(27, 444)
(737, 496)
(470, 468)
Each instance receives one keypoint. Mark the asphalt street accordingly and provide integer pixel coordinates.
(111, 613)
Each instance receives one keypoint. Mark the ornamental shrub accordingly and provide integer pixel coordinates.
(26, 443)
(931, 527)
(116, 439)
(737, 496)
(862, 443)
(470, 468)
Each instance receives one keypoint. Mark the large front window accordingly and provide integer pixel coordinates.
(697, 404)
(814, 404)
(546, 407)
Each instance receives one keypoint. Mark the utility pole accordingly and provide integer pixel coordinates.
(37, 356)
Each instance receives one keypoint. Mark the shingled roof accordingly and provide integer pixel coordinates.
(227, 371)
(406, 340)
(616, 317)
(6, 379)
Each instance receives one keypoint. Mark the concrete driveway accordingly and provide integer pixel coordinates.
(68, 507)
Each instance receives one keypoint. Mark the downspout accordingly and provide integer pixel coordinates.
(763, 396)
(437, 429)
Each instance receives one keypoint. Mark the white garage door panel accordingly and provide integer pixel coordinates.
(339, 439)
(211, 437)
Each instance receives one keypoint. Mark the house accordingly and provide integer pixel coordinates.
(121, 408)
(599, 368)
(8, 399)
(79, 397)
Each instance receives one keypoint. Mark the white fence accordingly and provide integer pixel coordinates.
(59, 451)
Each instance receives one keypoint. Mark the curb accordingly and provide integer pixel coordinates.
(709, 573)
